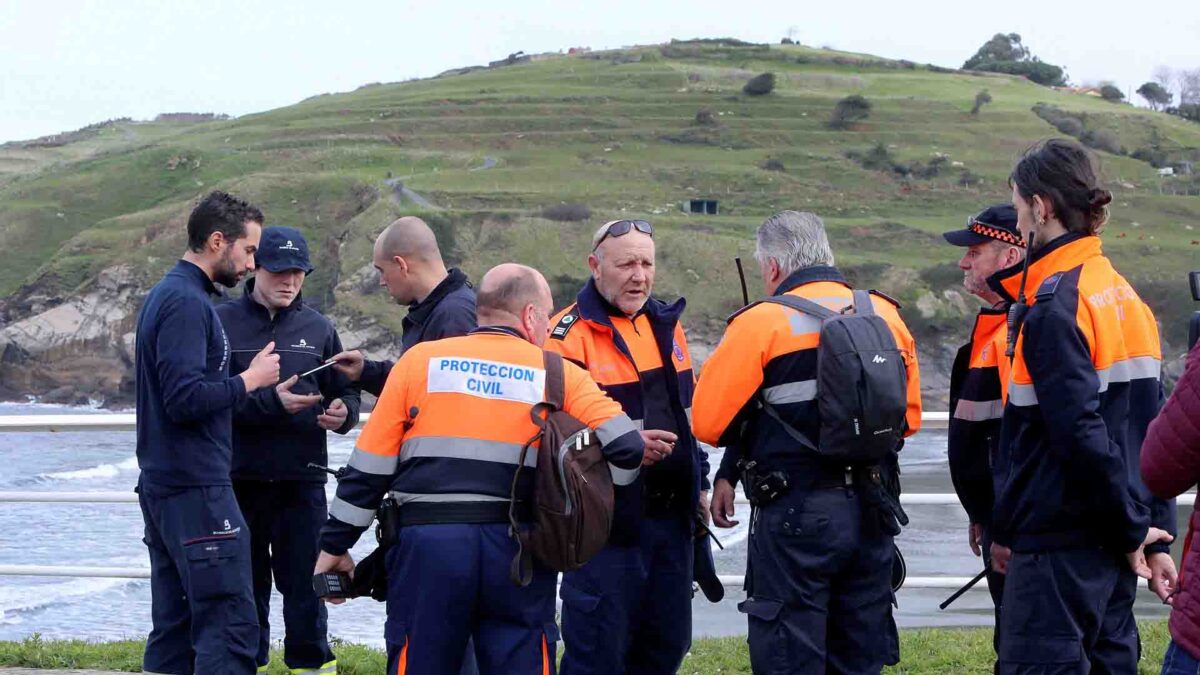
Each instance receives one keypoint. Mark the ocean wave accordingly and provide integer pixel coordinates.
(92, 473)
(21, 599)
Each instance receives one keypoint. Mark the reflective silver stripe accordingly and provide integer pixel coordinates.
(978, 411)
(445, 497)
(688, 412)
(1022, 395)
(802, 324)
(792, 392)
(465, 448)
(351, 514)
(367, 462)
(615, 428)
(1138, 368)
(623, 476)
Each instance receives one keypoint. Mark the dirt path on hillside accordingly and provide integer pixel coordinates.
(401, 192)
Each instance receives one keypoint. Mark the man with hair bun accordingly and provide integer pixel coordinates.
(1073, 525)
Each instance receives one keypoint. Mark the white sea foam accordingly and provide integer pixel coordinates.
(94, 472)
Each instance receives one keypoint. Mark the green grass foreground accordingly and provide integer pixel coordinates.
(935, 651)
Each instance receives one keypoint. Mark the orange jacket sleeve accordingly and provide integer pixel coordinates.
(730, 378)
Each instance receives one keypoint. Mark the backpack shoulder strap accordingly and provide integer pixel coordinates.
(555, 379)
(863, 306)
(803, 305)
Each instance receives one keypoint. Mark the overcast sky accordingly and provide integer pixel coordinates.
(65, 64)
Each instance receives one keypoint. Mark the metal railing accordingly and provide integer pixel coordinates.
(127, 422)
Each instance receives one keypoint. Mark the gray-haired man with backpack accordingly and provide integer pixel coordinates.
(817, 385)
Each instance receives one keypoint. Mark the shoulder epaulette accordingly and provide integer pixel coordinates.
(564, 324)
(741, 311)
(1049, 286)
(887, 297)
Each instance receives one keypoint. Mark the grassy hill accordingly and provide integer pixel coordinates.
(616, 132)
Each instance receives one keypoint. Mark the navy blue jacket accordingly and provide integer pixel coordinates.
(448, 311)
(185, 397)
(655, 396)
(1085, 385)
(268, 443)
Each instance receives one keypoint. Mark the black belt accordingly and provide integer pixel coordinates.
(830, 477)
(442, 513)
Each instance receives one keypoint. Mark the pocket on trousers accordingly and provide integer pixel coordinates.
(806, 525)
(550, 630)
(213, 568)
(579, 600)
(1040, 649)
(767, 635)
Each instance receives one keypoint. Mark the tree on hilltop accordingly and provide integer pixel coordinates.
(1155, 95)
(1000, 48)
(1005, 54)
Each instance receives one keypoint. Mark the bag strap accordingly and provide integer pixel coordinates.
(520, 571)
(862, 303)
(555, 379)
(792, 431)
(803, 305)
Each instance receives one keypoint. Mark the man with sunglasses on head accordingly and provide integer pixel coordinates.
(629, 609)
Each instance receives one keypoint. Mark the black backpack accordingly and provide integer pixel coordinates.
(861, 385)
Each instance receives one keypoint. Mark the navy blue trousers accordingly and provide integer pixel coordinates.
(449, 583)
(819, 587)
(1068, 612)
(285, 519)
(628, 611)
(202, 603)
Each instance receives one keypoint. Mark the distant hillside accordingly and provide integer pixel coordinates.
(88, 222)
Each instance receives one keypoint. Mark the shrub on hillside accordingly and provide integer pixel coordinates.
(706, 118)
(1036, 71)
(981, 99)
(760, 85)
(1068, 125)
(1102, 139)
(877, 158)
(772, 164)
(1154, 156)
(849, 110)
(566, 213)
(1111, 94)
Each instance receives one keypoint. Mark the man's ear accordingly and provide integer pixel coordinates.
(1041, 210)
(217, 241)
(594, 265)
(401, 263)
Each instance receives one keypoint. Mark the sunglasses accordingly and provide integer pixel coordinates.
(622, 228)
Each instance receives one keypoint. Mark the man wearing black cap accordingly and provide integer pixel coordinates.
(979, 379)
(277, 433)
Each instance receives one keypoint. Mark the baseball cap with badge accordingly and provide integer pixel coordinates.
(998, 223)
(281, 249)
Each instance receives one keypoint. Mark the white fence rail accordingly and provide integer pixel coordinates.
(127, 422)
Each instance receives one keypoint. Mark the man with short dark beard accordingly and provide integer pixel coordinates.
(202, 602)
